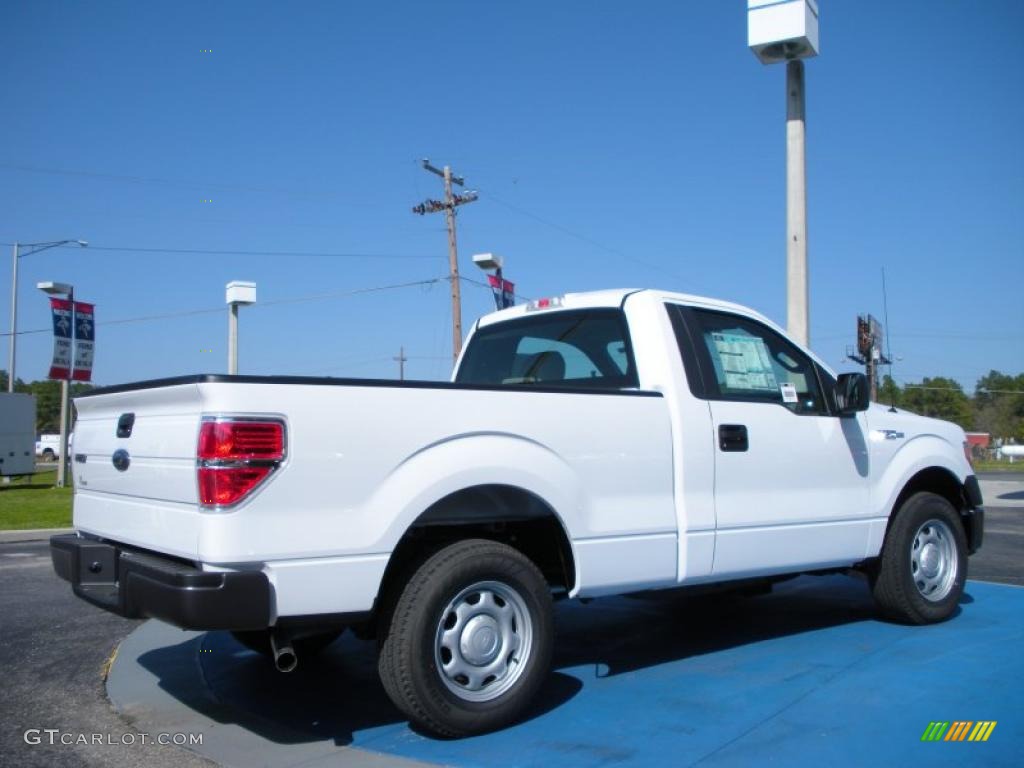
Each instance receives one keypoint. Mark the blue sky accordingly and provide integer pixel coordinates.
(613, 144)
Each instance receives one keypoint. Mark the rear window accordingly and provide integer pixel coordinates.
(585, 349)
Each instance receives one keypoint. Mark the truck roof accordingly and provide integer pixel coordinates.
(614, 297)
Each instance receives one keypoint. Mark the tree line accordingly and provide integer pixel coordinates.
(47, 400)
(996, 407)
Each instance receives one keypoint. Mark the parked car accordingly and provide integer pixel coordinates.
(48, 447)
(596, 444)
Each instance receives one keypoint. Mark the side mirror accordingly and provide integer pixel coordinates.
(852, 393)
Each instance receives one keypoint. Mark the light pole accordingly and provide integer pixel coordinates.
(18, 254)
(64, 289)
(239, 293)
(787, 30)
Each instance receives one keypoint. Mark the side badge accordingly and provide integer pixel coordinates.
(121, 460)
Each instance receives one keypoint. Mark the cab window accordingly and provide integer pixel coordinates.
(583, 349)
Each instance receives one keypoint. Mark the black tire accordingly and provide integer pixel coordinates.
(305, 647)
(49, 455)
(921, 573)
(478, 606)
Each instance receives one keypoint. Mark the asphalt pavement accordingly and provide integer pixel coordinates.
(53, 659)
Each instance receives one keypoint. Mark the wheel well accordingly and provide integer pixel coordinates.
(945, 484)
(502, 513)
(933, 480)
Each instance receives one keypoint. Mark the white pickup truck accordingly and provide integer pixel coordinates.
(596, 444)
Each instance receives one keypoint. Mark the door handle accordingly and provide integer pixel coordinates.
(733, 437)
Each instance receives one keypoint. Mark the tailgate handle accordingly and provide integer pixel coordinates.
(733, 437)
(125, 424)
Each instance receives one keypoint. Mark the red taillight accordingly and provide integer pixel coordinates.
(233, 457)
(241, 440)
(224, 486)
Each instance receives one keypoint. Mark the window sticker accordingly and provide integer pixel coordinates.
(788, 393)
(746, 363)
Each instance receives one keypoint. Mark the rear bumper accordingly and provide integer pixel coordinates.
(138, 584)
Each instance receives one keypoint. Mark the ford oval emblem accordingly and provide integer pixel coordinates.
(121, 460)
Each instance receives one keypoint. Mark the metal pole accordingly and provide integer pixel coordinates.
(401, 363)
(14, 319)
(233, 340)
(65, 405)
(62, 467)
(797, 320)
(453, 264)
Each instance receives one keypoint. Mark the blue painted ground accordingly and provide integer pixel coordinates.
(805, 676)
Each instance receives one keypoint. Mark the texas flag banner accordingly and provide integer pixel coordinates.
(85, 340)
(60, 368)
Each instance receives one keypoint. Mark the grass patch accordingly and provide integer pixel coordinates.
(998, 466)
(34, 502)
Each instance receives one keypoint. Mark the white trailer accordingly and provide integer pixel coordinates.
(17, 433)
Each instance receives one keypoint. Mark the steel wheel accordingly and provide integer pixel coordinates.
(933, 560)
(483, 641)
(469, 639)
(919, 576)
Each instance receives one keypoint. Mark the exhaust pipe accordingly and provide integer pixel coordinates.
(284, 655)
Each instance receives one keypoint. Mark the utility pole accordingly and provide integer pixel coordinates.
(401, 363)
(448, 205)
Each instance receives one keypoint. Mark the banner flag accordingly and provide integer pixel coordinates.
(72, 345)
(85, 339)
(60, 368)
(504, 291)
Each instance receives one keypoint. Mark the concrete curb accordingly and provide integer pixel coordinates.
(31, 534)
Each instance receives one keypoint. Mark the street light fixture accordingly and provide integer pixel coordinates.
(19, 253)
(238, 294)
(787, 30)
(63, 289)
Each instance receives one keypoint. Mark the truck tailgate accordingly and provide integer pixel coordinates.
(152, 500)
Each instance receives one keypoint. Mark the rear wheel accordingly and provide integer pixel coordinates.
(923, 567)
(470, 638)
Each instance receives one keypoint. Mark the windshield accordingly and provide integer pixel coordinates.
(588, 349)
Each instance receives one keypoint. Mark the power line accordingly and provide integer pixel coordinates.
(582, 237)
(274, 302)
(977, 391)
(217, 252)
(488, 287)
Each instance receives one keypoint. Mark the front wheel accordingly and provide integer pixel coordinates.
(470, 639)
(921, 573)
